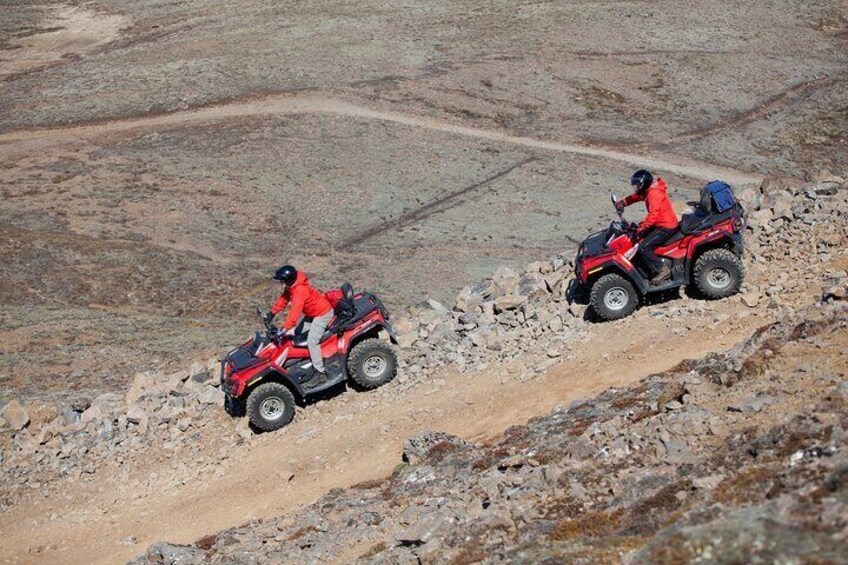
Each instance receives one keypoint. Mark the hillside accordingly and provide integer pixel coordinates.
(123, 469)
(159, 159)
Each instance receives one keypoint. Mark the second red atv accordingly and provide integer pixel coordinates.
(266, 376)
(705, 252)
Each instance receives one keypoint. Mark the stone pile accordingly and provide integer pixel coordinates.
(507, 316)
(741, 455)
(794, 232)
(167, 412)
(791, 232)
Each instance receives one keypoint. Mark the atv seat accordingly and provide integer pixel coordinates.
(700, 220)
(675, 237)
(364, 305)
(299, 339)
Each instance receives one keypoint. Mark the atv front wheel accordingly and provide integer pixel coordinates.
(613, 297)
(270, 406)
(718, 273)
(372, 363)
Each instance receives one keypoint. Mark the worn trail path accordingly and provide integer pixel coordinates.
(311, 103)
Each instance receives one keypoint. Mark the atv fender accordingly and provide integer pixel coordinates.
(379, 325)
(614, 265)
(389, 330)
(738, 246)
(269, 374)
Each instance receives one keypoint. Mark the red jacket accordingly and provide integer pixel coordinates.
(305, 299)
(660, 211)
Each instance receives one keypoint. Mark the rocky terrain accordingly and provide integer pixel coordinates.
(795, 250)
(739, 457)
(158, 160)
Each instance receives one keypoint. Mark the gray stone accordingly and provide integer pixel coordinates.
(138, 416)
(243, 429)
(750, 299)
(834, 292)
(509, 302)
(532, 286)
(15, 415)
(106, 406)
(709, 482)
(166, 553)
(212, 396)
(506, 279)
(751, 404)
(416, 449)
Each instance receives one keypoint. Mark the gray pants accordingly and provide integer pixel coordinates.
(313, 341)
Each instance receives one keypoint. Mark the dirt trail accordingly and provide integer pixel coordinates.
(349, 439)
(311, 103)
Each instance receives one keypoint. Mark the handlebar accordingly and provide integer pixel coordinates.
(269, 327)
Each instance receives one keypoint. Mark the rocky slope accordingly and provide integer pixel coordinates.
(738, 457)
(794, 251)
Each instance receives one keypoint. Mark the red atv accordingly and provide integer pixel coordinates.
(266, 376)
(705, 252)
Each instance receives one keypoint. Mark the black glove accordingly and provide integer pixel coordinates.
(268, 317)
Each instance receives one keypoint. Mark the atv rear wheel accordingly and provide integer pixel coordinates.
(270, 406)
(718, 273)
(613, 297)
(372, 363)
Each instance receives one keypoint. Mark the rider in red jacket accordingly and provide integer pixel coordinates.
(308, 301)
(660, 223)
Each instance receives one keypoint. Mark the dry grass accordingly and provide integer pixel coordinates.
(590, 524)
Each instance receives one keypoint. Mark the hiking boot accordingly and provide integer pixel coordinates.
(317, 379)
(664, 273)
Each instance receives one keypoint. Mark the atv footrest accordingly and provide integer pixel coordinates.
(665, 285)
(331, 381)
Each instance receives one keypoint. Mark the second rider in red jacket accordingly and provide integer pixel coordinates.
(308, 301)
(660, 223)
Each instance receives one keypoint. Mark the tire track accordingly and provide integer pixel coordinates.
(439, 205)
(760, 111)
(310, 103)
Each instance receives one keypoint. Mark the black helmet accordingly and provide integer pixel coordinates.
(286, 275)
(642, 179)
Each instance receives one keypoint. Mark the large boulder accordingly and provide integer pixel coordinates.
(532, 286)
(509, 302)
(506, 279)
(781, 204)
(107, 406)
(472, 298)
(749, 535)
(15, 416)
